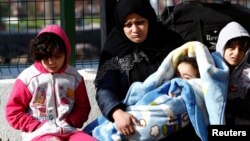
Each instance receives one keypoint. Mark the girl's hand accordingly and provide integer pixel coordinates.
(125, 122)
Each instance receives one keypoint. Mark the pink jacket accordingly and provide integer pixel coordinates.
(39, 99)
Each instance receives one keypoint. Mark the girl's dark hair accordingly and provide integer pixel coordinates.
(243, 42)
(46, 45)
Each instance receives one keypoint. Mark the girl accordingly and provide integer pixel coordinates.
(233, 44)
(49, 99)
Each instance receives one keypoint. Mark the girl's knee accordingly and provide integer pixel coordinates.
(47, 138)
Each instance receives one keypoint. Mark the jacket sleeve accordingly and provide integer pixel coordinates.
(240, 107)
(110, 93)
(17, 107)
(81, 108)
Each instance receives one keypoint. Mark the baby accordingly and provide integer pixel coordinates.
(187, 68)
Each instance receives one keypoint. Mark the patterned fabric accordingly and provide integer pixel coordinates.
(164, 104)
(125, 63)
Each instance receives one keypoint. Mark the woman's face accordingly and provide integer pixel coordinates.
(136, 28)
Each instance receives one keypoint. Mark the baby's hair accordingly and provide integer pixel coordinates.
(190, 60)
(243, 42)
(46, 45)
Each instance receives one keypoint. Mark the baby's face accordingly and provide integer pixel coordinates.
(186, 71)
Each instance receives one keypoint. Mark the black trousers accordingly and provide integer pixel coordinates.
(187, 133)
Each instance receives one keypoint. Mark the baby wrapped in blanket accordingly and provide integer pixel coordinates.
(164, 104)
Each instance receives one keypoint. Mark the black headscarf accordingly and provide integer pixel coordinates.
(140, 7)
(157, 45)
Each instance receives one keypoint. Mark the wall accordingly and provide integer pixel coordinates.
(10, 134)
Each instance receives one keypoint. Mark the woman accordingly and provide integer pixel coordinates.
(134, 49)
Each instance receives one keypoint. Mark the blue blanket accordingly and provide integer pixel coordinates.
(164, 104)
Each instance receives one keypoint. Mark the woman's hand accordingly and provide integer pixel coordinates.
(125, 122)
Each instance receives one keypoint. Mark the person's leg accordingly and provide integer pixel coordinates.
(47, 137)
(187, 133)
(91, 126)
(81, 136)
